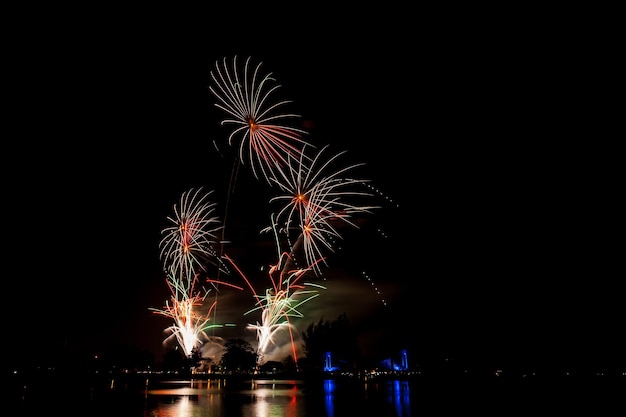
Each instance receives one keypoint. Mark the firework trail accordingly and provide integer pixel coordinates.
(263, 143)
(317, 199)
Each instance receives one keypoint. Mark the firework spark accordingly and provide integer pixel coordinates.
(264, 144)
(187, 247)
(315, 199)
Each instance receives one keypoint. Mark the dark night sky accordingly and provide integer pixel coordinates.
(502, 243)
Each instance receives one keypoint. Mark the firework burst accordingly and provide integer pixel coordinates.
(264, 142)
(317, 198)
(187, 246)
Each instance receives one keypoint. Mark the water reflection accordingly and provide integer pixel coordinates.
(128, 396)
(329, 389)
(147, 396)
(400, 395)
(284, 398)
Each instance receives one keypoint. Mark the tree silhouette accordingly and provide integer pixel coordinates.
(337, 337)
(239, 356)
(173, 360)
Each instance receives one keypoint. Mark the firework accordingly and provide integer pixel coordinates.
(280, 302)
(186, 250)
(187, 247)
(263, 143)
(316, 198)
(189, 327)
(278, 305)
(190, 324)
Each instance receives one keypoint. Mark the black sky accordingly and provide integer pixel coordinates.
(482, 131)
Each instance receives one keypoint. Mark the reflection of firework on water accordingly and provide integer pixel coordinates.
(315, 201)
(263, 143)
